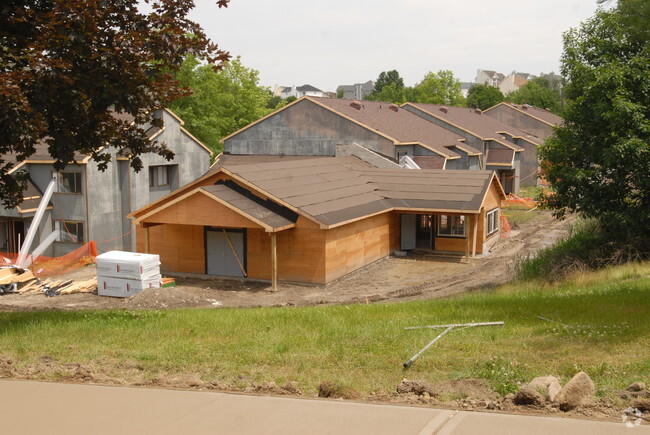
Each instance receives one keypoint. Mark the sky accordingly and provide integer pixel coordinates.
(334, 42)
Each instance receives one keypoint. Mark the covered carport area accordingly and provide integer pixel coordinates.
(209, 230)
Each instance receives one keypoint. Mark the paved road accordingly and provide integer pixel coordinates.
(28, 407)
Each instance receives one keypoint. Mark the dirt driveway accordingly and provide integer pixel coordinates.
(417, 276)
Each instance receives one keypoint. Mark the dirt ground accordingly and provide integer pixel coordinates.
(419, 275)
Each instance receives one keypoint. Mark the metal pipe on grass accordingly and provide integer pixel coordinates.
(449, 327)
(408, 363)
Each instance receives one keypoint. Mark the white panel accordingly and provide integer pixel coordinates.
(407, 232)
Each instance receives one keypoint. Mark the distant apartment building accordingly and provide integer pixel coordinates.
(297, 91)
(357, 91)
(514, 81)
(488, 77)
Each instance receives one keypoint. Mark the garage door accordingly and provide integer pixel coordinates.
(225, 253)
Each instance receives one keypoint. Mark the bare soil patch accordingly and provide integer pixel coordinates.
(420, 275)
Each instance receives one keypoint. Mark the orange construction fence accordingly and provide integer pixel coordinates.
(50, 266)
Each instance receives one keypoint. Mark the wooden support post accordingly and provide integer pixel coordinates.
(467, 226)
(274, 262)
(474, 233)
(147, 242)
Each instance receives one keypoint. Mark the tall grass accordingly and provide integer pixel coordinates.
(587, 247)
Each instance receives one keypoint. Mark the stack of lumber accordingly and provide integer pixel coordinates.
(122, 274)
(52, 288)
(10, 275)
(26, 282)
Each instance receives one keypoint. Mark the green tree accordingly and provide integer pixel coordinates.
(393, 93)
(389, 77)
(484, 96)
(539, 92)
(440, 88)
(598, 161)
(67, 66)
(274, 102)
(221, 101)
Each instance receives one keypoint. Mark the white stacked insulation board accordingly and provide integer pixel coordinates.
(129, 265)
(123, 288)
(123, 274)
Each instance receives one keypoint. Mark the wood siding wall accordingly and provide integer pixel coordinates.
(181, 247)
(200, 209)
(360, 243)
(301, 253)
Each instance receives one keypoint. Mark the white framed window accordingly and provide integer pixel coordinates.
(491, 222)
(451, 226)
(159, 175)
(69, 182)
(72, 231)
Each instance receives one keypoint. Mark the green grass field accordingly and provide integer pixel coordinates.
(603, 328)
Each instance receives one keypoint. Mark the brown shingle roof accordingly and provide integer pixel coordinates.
(247, 207)
(337, 189)
(394, 122)
(475, 123)
(42, 153)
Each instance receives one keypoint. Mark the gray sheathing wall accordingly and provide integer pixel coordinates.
(462, 163)
(305, 129)
(9, 213)
(66, 206)
(474, 163)
(520, 121)
(517, 181)
(529, 163)
(124, 180)
(104, 206)
(191, 161)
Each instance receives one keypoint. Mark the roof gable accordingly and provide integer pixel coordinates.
(475, 123)
(397, 125)
(542, 115)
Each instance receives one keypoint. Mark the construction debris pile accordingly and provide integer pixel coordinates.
(123, 274)
(21, 281)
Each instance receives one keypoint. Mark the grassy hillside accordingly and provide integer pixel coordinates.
(597, 322)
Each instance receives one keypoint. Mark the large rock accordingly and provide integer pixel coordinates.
(547, 386)
(580, 390)
(529, 396)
